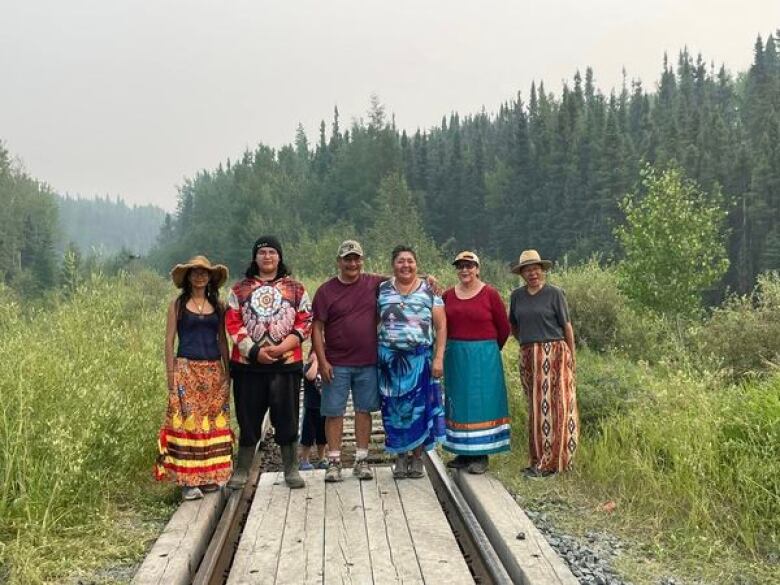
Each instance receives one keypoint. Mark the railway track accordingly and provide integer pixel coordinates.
(498, 544)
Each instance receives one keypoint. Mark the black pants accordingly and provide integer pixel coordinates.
(312, 428)
(255, 393)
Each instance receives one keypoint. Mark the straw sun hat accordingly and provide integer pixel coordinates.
(530, 257)
(219, 273)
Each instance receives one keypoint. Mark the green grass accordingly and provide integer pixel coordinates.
(81, 400)
(694, 470)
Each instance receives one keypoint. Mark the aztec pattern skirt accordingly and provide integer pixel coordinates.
(411, 400)
(475, 402)
(196, 443)
(553, 423)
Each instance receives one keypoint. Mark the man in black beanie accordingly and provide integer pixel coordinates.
(268, 318)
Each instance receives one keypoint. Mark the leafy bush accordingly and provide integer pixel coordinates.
(743, 336)
(605, 320)
(673, 241)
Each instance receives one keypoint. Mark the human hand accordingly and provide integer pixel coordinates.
(274, 351)
(263, 356)
(434, 285)
(437, 368)
(326, 371)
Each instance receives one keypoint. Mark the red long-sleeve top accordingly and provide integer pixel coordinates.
(483, 316)
(264, 313)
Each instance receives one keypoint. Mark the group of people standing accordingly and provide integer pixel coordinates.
(387, 341)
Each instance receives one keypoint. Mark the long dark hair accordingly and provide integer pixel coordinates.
(212, 296)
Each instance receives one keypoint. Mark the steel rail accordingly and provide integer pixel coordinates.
(479, 553)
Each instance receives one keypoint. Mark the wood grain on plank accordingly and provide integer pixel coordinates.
(257, 556)
(175, 556)
(301, 559)
(347, 559)
(437, 550)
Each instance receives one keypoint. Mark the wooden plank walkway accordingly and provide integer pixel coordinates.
(371, 532)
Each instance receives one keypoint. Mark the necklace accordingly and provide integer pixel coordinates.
(406, 292)
(200, 306)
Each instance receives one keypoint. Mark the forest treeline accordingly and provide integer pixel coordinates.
(106, 226)
(28, 229)
(37, 226)
(545, 171)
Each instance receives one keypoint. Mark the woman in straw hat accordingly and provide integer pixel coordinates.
(476, 404)
(539, 316)
(196, 442)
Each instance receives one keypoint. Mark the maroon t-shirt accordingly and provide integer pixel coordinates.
(349, 314)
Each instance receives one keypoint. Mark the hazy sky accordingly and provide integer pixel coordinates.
(127, 98)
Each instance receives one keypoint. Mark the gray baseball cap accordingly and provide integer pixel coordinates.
(348, 247)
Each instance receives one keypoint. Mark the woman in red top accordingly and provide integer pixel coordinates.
(475, 404)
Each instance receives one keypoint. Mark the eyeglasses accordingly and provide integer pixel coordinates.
(465, 265)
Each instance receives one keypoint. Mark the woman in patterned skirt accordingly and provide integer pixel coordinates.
(196, 442)
(412, 337)
(475, 404)
(539, 316)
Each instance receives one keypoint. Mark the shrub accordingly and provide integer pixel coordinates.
(742, 337)
(605, 320)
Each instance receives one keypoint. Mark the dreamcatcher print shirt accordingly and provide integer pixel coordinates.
(262, 313)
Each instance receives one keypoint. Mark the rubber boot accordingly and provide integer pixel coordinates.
(241, 469)
(292, 478)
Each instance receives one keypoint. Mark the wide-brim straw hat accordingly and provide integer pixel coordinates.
(219, 273)
(529, 257)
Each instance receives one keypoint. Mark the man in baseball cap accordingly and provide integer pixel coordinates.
(344, 339)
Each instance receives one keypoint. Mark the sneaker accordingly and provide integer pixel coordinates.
(191, 493)
(361, 470)
(459, 462)
(478, 465)
(415, 468)
(321, 464)
(401, 467)
(333, 474)
(305, 466)
(534, 473)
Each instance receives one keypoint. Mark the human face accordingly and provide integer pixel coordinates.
(405, 267)
(467, 271)
(199, 277)
(350, 267)
(533, 275)
(267, 260)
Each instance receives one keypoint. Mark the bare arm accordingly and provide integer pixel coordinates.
(440, 326)
(170, 337)
(222, 340)
(318, 342)
(568, 334)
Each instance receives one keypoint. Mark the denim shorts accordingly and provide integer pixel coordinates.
(365, 390)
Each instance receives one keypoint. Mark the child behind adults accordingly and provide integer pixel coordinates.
(313, 424)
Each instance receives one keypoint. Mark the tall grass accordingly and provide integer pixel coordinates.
(694, 465)
(81, 399)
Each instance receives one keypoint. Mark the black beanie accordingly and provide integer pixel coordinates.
(267, 242)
